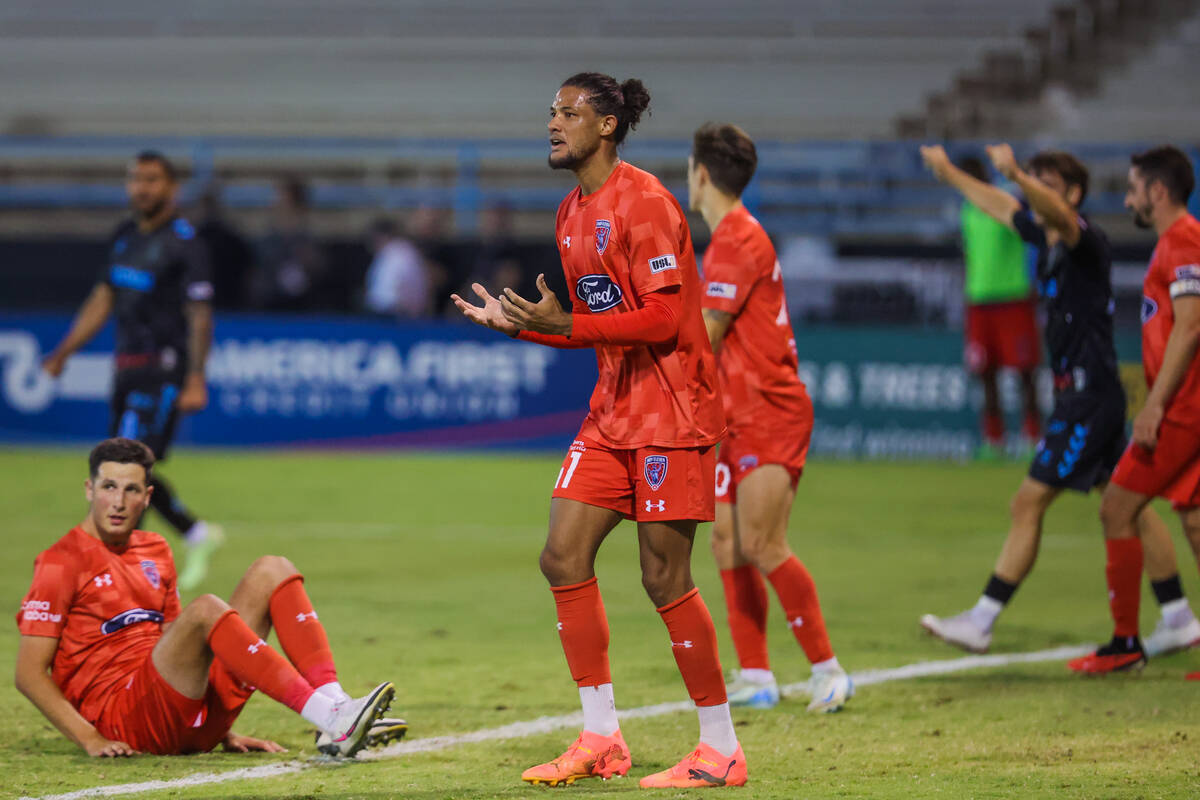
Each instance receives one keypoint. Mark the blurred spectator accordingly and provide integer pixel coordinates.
(398, 278)
(429, 227)
(231, 255)
(291, 266)
(494, 259)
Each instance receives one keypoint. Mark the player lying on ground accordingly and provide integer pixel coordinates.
(770, 418)
(646, 450)
(1163, 460)
(110, 658)
(1085, 434)
(157, 283)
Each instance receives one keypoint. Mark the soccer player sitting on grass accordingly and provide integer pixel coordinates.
(110, 658)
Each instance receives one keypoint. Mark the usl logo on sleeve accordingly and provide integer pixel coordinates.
(662, 263)
(599, 292)
(725, 291)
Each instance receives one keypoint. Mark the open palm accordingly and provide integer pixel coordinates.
(490, 314)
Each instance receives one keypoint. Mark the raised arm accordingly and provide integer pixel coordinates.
(1047, 203)
(87, 323)
(993, 201)
(34, 657)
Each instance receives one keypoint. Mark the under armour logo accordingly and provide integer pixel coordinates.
(652, 505)
(560, 626)
(103, 580)
(254, 647)
(795, 623)
(686, 644)
(567, 242)
(302, 616)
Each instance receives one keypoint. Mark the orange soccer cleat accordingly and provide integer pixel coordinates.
(704, 766)
(1120, 655)
(591, 756)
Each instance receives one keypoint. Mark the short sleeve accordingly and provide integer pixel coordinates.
(729, 276)
(654, 240)
(197, 267)
(1027, 229)
(44, 609)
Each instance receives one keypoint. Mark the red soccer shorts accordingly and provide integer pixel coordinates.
(151, 716)
(1002, 335)
(649, 484)
(1171, 470)
(743, 451)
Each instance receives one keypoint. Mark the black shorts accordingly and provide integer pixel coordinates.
(1083, 440)
(144, 408)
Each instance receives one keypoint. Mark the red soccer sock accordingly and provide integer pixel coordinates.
(255, 663)
(300, 632)
(993, 428)
(694, 645)
(746, 604)
(1124, 573)
(798, 595)
(1032, 427)
(583, 629)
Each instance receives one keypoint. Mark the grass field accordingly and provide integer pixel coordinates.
(424, 569)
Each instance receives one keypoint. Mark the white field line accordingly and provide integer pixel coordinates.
(532, 727)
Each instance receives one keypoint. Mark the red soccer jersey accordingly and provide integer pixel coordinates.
(105, 607)
(623, 242)
(757, 361)
(1174, 272)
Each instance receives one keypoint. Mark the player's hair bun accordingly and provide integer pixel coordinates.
(637, 100)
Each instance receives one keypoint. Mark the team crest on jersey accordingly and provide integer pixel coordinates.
(1149, 309)
(600, 292)
(150, 570)
(747, 462)
(603, 232)
(655, 470)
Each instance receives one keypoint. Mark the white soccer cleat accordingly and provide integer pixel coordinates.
(830, 690)
(381, 732)
(354, 719)
(958, 631)
(752, 694)
(1171, 638)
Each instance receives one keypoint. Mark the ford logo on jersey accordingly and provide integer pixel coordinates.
(1149, 309)
(131, 617)
(599, 292)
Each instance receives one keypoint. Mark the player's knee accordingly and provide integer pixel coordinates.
(664, 584)
(205, 610)
(271, 568)
(556, 567)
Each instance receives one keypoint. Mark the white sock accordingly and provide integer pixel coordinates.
(1177, 613)
(321, 711)
(828, 665)
(197, 533)
(763, 677)
(716, 728)
(334, 691)
(983, 615)
(599, 709)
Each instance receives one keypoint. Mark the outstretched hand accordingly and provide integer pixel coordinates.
(1003, 159)
(936, 160)
(489, 315)
(101, 747)
(544, 316)
(236, 743)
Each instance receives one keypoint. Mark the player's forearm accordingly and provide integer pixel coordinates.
(551, 340)
(200, 333)
(991, 200)
(716, 324)
(45, 695)
(1048, 204)
(1178, 357)
(655, 323)
(88, 321)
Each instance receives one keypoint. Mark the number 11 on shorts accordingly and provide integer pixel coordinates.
(565, 480)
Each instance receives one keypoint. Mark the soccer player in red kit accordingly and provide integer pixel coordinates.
(110, 658)
(646, 450)
(1163, 458)
(770, 418)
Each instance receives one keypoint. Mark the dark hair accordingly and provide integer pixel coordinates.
(120, 451)
(974, 166)
(1066, 166)
(155, 157)
(729, 155)
(1169, 166)
(626, 101)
